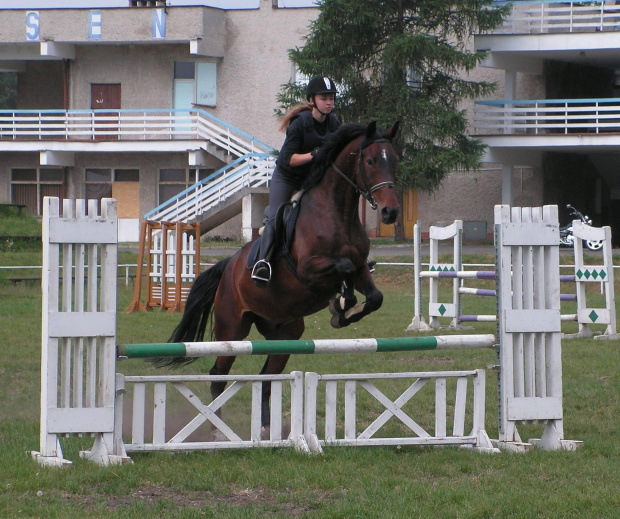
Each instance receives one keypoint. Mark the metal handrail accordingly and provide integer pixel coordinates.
(252, 170)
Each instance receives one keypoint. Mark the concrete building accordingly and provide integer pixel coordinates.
(140, 100)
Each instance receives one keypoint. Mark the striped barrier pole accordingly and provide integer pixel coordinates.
(460, 274)
(319, 346)
(478, 319)
(492, 293)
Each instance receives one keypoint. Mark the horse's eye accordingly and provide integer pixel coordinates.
(369, 162)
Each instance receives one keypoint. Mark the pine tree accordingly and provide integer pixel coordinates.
(405, 60)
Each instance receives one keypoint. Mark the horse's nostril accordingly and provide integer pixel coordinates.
(389, 214)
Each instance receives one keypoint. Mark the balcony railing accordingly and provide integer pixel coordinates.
(127, 125)
(558, 116)
(561, 17)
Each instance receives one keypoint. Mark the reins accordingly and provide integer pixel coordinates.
(367, 191)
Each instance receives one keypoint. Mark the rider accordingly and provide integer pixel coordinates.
(306, 127)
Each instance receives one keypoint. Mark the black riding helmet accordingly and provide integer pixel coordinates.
(320, 85)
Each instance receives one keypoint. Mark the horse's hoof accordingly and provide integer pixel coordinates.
(335, 322)
(334, 306)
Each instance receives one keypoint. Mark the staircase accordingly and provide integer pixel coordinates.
(219, 197)
(220, 192)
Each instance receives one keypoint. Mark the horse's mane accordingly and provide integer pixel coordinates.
(333, 145)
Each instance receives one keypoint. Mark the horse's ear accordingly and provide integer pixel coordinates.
(371, 129)
(393, 131)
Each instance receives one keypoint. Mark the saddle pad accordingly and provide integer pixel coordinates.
(286, 217)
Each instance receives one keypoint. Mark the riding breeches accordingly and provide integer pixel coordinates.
(280, 191)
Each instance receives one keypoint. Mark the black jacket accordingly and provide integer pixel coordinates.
(303, 135)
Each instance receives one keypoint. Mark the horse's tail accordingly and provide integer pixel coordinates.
(198, 309)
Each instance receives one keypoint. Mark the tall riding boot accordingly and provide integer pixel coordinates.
(261, 273)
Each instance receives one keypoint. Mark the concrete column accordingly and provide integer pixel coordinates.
(510, 91)
(507, 184)
(252, 214)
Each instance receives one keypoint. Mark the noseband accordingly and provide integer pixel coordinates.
(367, 191)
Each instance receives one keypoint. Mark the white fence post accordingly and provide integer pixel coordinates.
(529, 328)
(78, 357)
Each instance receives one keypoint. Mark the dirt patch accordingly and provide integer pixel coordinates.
(251, 498)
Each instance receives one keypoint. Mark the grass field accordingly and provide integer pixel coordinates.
(344, 482)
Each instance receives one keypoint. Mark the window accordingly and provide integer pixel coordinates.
(195, 83)
(98, 184)
(121, 184)
(126, 175)
(288, 4)
(184, 70)
(30, 185)
(414, 79)
(174, 181)
(297, 77)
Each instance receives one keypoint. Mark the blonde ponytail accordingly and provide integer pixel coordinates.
(295, 110)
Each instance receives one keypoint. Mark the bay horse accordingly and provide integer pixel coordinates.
(329, 251)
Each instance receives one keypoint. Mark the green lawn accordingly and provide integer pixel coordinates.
(344, 482)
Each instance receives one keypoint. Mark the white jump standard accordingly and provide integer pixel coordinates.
(586, 315)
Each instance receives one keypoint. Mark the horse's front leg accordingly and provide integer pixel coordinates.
(346, 299)
(374, 300)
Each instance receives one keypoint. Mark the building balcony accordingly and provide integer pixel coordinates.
(72, 131)
(518, 132)
(561, 16)
(576, 32)
(547, 116)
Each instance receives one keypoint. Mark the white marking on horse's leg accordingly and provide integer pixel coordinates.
(355, 310)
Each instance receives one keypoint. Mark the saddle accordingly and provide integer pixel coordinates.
(284, 232)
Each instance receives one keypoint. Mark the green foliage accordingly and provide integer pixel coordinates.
(19, 231)
(406, 60)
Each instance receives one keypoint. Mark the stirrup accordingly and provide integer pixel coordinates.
(261, 272)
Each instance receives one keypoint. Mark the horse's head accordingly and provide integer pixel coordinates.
(377, 171)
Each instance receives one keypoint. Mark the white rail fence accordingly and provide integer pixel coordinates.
(430, 425)
(159, 423)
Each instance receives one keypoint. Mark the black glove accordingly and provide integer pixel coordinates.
(314, 153)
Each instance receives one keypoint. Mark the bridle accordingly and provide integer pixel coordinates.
(367, 191)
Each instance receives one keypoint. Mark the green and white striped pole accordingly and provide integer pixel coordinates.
(308, 347)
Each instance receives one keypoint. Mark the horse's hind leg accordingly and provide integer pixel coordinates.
(222, 366)
(275, 364)
(228, 325)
